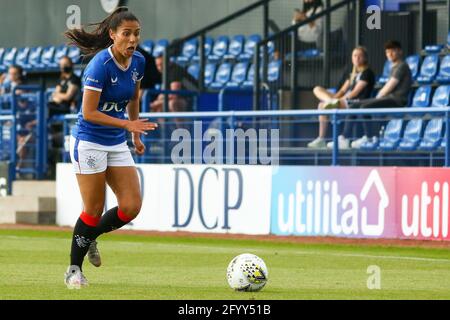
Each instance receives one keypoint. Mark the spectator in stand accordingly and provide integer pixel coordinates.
(64, 98)
(13, 78)
(309, 35)
(394, 94)
(152, 76)
(359, 85)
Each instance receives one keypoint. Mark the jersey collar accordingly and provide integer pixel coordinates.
(117, 63)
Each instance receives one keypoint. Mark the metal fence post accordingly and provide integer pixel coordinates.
(257, 78)
(201, 78)
(335, 155)
(293, 79)
(447, 138)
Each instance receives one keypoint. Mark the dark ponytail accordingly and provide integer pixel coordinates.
(92, 42)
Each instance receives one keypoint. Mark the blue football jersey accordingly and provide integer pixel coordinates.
(117, 86)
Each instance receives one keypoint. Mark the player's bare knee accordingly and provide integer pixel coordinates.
(131, 209)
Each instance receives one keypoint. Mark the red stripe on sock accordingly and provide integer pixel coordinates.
(122, 216)
(89, 220)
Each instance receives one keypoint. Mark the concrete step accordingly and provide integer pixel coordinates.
(28, 209)
(44, 188)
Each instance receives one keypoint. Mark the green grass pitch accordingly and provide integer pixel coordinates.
(176, 268)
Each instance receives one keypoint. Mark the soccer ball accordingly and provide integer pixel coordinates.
(247, 272)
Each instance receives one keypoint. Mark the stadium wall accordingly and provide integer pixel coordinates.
(351, 202)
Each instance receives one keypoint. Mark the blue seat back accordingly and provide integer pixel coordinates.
(220, 47)
(190, 48)
(194, 70)
(148, 45)
(210, 73)
(413, 129)
(2, 52)
(274, 71)
(209, 43)
(47, 55)
(60, 52)
(22, 56)
(444, 70)
(239, 72)
(414, 64)
(9, 57)
(441, 97)
(387, 69)
(433, 129)
(160, 47)
(223, 74)
(393, 129)
(422, 97)
(250, 44)
(236, 45)
(430, 66)
(35, 56)
(74, 54)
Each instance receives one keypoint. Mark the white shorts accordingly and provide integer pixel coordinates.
(91, 158)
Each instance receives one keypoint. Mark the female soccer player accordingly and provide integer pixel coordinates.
(98, 147)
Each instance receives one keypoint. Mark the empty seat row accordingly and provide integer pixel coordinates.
(37, 58)
(218, 76)
(222, 48)
(394, 138)
(411, 138)
(432, 69)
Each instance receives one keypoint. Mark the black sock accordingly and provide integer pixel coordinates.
(83, 235)
(112, 219)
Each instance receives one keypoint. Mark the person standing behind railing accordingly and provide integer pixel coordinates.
(359, 85)
(310, 34)
(394, 94)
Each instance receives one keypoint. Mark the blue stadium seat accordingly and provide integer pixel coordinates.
(443, 76)
(392, 134)
(209, 43)
(422, 97)
(236, 47)
(414, 65)
(250, 77)
(239, 75)
(429, 69)
(249, 48)
(190, 48)
(219, 49)
(435, 48)
(386, 73)
(194, 70)
(441, 97)
(46, 58)
(432, 136)
(274, 71)
(148, 45)
(74, 54)
(22, 56)
(223, 75)
(160, 47)
(412, 135)
(2, 52)
(210, 73)
(34, 58)
(60, 52)
(8, 58)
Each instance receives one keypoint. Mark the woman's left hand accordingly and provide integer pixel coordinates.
(139, 147)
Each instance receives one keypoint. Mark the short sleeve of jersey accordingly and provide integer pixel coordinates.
(95, 75)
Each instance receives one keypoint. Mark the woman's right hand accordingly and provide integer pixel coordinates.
(140, 126)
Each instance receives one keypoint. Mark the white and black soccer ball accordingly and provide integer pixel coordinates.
(247, 272)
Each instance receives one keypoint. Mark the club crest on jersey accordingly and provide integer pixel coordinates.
(134, 75)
